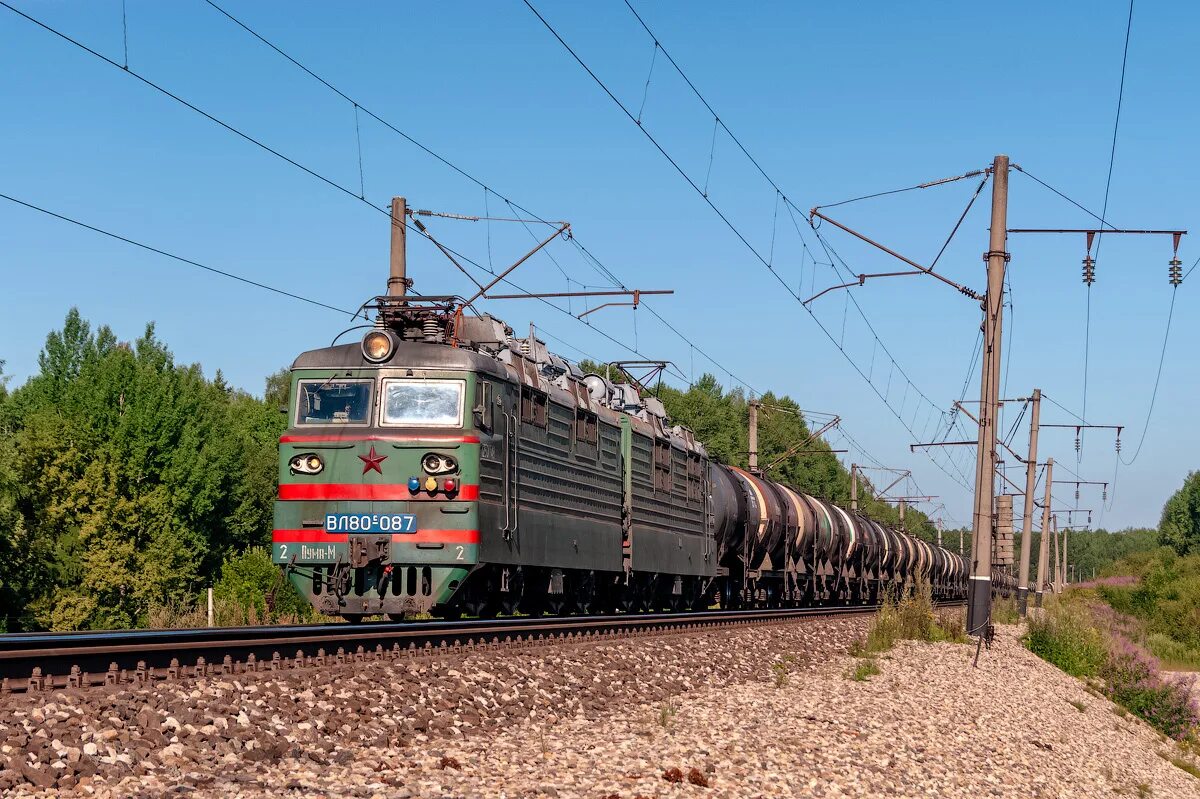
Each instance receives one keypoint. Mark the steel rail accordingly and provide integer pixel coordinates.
(50, 661)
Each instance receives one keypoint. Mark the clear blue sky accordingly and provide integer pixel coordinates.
(834, 100)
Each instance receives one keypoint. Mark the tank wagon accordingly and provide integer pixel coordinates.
(442, 465)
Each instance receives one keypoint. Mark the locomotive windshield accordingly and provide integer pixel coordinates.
(333, 402)
(423, 403)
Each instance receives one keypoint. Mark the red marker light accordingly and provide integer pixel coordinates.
(450, 486)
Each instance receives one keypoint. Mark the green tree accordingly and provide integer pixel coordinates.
(1179, 527)
(125, 480)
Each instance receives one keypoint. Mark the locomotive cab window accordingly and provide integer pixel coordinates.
(329, 402)
(533, 406)
(422, 403)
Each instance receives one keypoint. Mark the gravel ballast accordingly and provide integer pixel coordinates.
(767, 710)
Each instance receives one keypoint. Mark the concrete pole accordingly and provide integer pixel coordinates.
(1027, 522)
(939, 533)
(979, 597)
(854, 487)
(1043, 571)
(902, 506)
(210, 608)
(754, 436)
(1063, 570)
(1057, 561)
(397, 284)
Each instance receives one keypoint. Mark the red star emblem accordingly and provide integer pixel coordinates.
(372, 460)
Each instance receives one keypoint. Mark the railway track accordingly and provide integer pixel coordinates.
(32, 662)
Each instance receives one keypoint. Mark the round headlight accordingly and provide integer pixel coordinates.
(434, 463)
(307, 463)
(377, 346)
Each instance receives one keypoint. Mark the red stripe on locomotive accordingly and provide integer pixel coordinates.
(419, 537)
(387, 491)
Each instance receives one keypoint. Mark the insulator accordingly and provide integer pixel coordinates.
(1118, 444)
(1077, 443)
(1104, 495)
(431, 330)
(1175, 271)
(1076, 493)
(1089, 270)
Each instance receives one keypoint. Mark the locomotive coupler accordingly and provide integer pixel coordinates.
(368, 549)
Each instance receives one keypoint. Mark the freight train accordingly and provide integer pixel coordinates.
(441, 465)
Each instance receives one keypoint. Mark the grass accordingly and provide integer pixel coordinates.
(1063, 635)
(227, 612)
(865, 668)
(666, 715)
(1180, 763)
(908, 618)
(1080, 706)
(1173, 654)
(1004, 611)
(781, 669)
(911, 618)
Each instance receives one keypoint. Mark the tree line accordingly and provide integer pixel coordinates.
(126, 480)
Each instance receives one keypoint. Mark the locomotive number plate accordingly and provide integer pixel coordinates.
(370, 523)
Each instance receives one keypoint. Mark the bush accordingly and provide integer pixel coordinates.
(252, 586)
(1063, 635)
(249, 590)
(1132, 681)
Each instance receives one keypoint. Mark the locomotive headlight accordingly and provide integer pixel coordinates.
(377, 346)
(308, 463)
(433, 463)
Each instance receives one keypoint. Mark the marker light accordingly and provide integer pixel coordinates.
(449, 486)
(430, 485)
(377, 346)
(414, 484)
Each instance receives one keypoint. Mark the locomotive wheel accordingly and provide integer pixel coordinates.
(510, 601)
(354, 618)
(533, 601)
(480, 595)
(583, 597)
(643, 596)
(557, 603)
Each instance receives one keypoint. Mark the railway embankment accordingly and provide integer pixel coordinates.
(770, 710)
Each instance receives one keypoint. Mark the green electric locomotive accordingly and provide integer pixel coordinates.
(441, 465)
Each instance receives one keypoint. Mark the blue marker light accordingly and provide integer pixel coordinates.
(414, 484)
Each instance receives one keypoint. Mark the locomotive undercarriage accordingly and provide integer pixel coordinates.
(493, 589)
